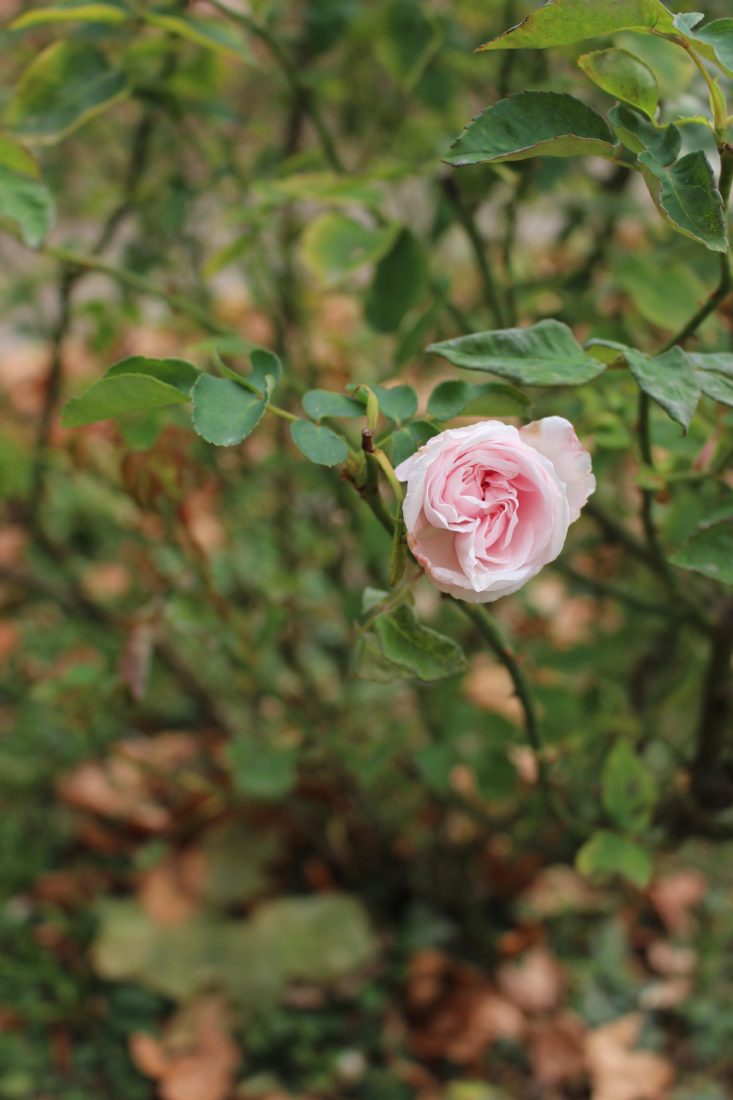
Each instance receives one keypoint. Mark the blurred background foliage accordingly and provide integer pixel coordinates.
(228, 867)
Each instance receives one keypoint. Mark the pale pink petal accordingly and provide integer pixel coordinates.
(555, 438)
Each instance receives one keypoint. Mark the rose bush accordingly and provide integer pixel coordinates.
(488, 505)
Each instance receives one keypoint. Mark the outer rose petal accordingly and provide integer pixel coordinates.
(555, 438)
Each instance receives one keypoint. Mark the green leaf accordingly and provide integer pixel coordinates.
(110, 11)
(715, 374)
(670, 381)
(404, 442)
(709, 551)
(318, 443)
(640, 135)
(628, 789)
(27, 204)
(174, 372)
(533, 124)
(397, 403)
(717, 36)
(687, 198)
(62, 88)
(563, 22)
(661, 301)
(545, 354)
(133, 385)
(17, 159)
(607, 854)
(328, 187)
(399, 283)
(624, 76)
(212, 34)
(408, 39)
(397, 646)
(318, 939)
(261, 769)
(334, 245)
(320, 403)
(456, 398)
(224, 412)
(265, 364)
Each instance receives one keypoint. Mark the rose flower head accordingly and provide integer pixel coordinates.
(488, 505)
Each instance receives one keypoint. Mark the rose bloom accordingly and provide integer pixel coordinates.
(487, 506)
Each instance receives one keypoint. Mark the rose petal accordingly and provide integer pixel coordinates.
(555, 438)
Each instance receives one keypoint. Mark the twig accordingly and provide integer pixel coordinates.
(493, 636)
(491, 295)
(298, 86)
(710, 786)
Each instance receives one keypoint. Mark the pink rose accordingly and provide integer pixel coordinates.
(488, 506)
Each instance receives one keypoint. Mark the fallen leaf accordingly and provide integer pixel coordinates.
(196, 1058)
(557, 1049)
(136, 657)
(455, 1012)
(671, 960)
(133, 785)
(535, 983)
(489, 687)
(170, 892)
(560, 889)
(675, 896)
(618, 1072)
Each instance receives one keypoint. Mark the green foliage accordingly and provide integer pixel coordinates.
(455, 398)
(623, 76)
(545, 354)
(629, 793)
(670, 380)
(26, 204)
(686, 196)
(224, 412)
(132, 385)
(63, 87)
(334, 245)
(318, 443)
(531, 124)
(607, 854)
(717, 36)
(213, 763)
(398, 285)
(563, 22)
(709, 551)
(73, 11)
(395, 645)
(316, 939)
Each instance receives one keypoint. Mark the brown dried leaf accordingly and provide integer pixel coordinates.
(170, 893)
(136, 656)
(456, 1013)
(671, 960)
(674, 896)
(620, 1073)
(557, 1049)
(535, 982)
(196, 1058)
(130, 785)
(489, 687)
